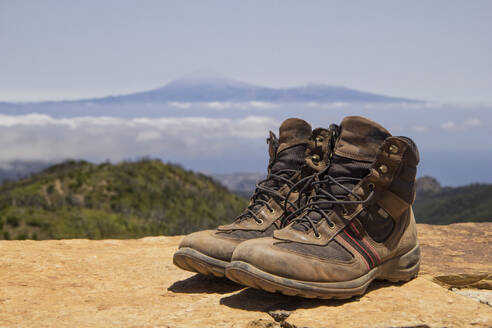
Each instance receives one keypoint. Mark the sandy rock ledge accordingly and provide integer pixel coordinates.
(133, 283)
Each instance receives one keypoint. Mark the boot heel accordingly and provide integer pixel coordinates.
(402, 268)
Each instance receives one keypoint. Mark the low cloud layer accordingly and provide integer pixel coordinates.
(215, 140)
(461, 126)
(42, 137)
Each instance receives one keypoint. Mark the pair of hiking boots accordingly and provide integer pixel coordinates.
(333, 214)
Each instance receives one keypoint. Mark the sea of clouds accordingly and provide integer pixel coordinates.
(228, 137)
(42, 137)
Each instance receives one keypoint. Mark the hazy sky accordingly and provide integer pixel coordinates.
(435, 50)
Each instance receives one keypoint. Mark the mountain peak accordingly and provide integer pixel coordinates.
(205, 77)
(209, 86)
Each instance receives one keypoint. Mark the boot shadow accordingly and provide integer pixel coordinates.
(204, 284)
(251, 299)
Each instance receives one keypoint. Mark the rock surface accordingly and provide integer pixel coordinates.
(133, 283)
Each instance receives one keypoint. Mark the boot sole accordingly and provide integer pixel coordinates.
(401, 268)
(192, 260)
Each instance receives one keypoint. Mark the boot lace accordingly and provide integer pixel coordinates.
(321, 201)
(263, 193)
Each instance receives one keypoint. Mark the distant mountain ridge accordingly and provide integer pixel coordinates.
(218, 89)
(241, 183)
(19, 169)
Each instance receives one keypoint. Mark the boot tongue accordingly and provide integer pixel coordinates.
(294, 133)
(360, 138)
(286, 152)
(294, 130)
(354, 152)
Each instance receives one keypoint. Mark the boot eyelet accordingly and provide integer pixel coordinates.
(383, 169)
(259, 222)
(319, 139)
(393, 149)
(371, 186)
(317, 236)
(315, 158)
(271, 210)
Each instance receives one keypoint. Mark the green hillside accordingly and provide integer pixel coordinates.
(77, 199)
(471, 203)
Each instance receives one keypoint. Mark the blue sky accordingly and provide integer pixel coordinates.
(433, 50)
(439, 51)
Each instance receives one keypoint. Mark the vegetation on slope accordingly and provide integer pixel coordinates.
(471, 203)
(77, 199)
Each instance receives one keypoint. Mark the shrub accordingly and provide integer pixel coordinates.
(22, 236)
(50, 189)
(34, 222)
(13, 221)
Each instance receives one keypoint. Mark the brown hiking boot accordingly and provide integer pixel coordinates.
(209, 251)
(357, 226)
